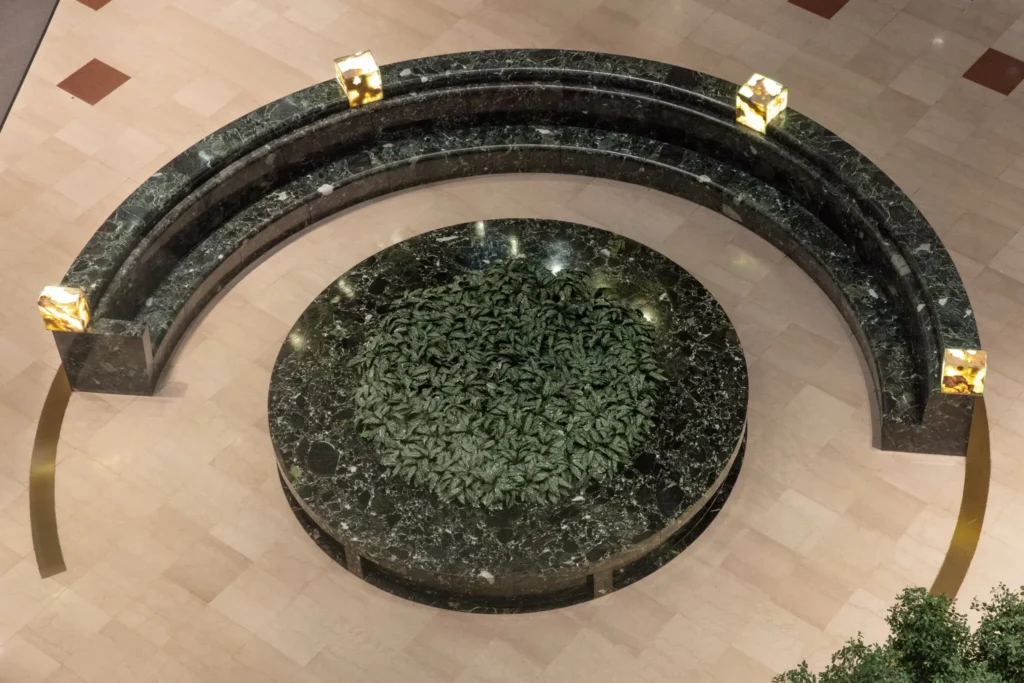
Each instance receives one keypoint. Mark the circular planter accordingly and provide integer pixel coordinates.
(406, 540)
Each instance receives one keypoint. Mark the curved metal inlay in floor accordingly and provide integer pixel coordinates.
(50, 559)
(971, 518)
(42, 475)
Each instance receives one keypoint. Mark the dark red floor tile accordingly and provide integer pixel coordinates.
(823, 8)
(94, 4)
(997, 70)
(93, 82)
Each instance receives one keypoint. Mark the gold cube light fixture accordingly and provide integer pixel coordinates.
(360, 77)
(760, 100)
(64, 309)
(963, 371)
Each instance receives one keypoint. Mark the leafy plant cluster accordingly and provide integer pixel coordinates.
(930, 642)
(508, 385)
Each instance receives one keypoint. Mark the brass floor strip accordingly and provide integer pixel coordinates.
(972, 507)
(50, 558)
(41, 501)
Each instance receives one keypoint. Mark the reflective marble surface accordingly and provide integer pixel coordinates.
(519, 554)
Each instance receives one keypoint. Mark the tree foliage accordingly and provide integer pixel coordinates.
(999, 639)
(928, 635)
(858, 662)
(971, 672)
(930, 642)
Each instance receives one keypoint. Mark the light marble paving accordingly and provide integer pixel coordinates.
(184, 562)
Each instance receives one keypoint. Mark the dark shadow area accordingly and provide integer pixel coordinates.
(22, 26)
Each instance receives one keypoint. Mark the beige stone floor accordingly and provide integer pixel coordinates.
(184, 563)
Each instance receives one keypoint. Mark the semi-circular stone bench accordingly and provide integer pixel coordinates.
(223, 203)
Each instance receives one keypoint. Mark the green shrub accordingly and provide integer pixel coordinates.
(929, 637)
(975, 672)
(801, 674)
(930, 642)
(856, 662)
(999, 638)
(861, 663)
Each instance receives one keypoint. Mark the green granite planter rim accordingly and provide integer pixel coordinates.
(700, 418)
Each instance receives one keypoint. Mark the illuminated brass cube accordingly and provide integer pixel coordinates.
(963, 371)
(64, 309)
(760, 100)
(360, 77)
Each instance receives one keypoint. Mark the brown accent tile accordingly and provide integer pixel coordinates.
(93, 82)
(997, 70)
(94, 4)
(823, 8)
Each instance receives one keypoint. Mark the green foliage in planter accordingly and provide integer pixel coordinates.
(930, 642)
(508, 385)
(930, 638)
(999, 638)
